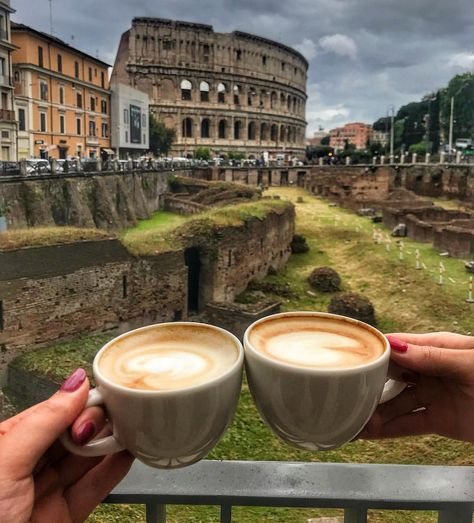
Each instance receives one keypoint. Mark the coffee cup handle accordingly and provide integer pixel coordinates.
(392, 388)
(96, 447)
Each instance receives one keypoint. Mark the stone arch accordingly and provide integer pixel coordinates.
(205, 128)
(251, 131)
(282, 133)
(236, 90)
(221, 92)
(204, 89)
(187, 127)
(167, 89)
(273, 100)
(237, 130)
(288, 103)
(222, 129)
(274, 133)
(282, 100)
(186, 90)
(263, 131)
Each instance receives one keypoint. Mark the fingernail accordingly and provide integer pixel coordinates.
(410, 377)
(75, 380)
(397, 345)
(85, 432)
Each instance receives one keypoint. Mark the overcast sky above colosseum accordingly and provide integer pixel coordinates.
(364, 55)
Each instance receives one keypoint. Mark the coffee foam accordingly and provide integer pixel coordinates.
(168, 357)
(316, 342)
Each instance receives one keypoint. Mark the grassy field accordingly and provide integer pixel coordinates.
(405, 299)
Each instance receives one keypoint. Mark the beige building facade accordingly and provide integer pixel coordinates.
(8, 124)
(229, 92)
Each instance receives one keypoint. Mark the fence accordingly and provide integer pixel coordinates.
(355, 488)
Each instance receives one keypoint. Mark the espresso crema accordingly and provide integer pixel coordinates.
(316, 342)
(168, 357)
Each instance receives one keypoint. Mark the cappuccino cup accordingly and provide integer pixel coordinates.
(169, 390)
(316, 378)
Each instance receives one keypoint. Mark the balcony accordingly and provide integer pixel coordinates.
(7, 115)
(355, 488)
(92, 140)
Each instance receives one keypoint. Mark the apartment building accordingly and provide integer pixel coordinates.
(8, 125)
(62, 98)
(357, 134)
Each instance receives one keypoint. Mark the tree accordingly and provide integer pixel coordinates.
(161, 137)
(202, 153)
(325, 140)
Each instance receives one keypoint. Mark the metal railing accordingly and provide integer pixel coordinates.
(355, 488)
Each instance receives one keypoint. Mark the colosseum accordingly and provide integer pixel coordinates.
(229, 92)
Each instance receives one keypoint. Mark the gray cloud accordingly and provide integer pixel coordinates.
(365, 55)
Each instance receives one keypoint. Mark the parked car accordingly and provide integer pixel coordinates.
(462, 143)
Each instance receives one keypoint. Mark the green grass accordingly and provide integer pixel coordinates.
(42, 236)
(168, 232)
(405, 299)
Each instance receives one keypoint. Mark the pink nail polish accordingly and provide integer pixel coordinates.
(75, 380)
(397, 345)
(85, 432)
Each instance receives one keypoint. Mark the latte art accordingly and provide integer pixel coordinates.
(316, 342)
(168, 358)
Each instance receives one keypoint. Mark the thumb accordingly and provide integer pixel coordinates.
(27, 441)
(431, 361)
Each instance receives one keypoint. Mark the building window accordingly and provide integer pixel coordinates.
(3, 69)
(43, 122)
(92, 100)
(91, 128)
(143, 120)
(103, 106)
(126, 136)
(264, 60)
(188, 128)
(21, 120)
(78, 126)
(222, 129)
(166, 45)
(40, 57)
(221, 93)
(205, 127)
(186, 90)
(60, 63)
(44, 91)
(76, 69)
(104, 130)
(237, 129)
(61, 95)
(204, 90)
(125, 116)
(62, 124)
(102, 79)
(90, 74)
(238, 54)
(79, 100)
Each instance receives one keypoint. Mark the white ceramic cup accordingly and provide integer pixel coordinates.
(165, 428)
(317, 408)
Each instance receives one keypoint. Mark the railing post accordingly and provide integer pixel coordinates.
(455, 515)
(226, 513)
(355, 515)
(155, 513)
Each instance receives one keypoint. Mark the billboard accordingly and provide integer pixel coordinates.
(135, 124)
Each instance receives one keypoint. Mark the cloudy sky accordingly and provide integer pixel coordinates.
(365, 55)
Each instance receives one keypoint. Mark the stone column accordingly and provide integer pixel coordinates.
(321, 162)
(23, 169)
(458, 157)
(99, 165)
(348, 160)
(402, 158)
(413, 158)
(427, 158)
(374, 160)
(382, 159)
(442, 157)
(392, 159)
